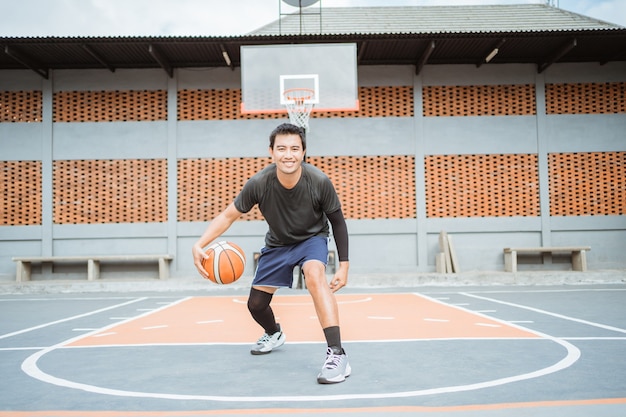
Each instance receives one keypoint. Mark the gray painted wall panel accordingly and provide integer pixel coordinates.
(586, 72)
(21, 141)
(14, 247)
(114, 140)
(385, 75)
(214, 78)
(484, 75)
(607, 246)
(586, 133)
(20, 80)
(480, 135)
(588, 223)
(362, 136)
(486, 225)
(113, 246)
(373, 253)
(109, 231)
(224, 138)
(105, 80)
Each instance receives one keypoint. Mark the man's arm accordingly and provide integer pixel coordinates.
(215, 229)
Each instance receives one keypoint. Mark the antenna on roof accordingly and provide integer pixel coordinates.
(301, 13)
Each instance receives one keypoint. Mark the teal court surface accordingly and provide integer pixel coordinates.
(431, 351)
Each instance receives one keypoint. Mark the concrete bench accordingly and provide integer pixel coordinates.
(24, 263)
(579, 258)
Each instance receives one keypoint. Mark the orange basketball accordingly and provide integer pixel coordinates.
(225, 263)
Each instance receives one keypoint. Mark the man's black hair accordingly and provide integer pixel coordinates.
(288, 129)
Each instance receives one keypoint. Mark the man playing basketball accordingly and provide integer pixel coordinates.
(297, 200)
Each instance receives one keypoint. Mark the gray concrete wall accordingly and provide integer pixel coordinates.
(377, 246)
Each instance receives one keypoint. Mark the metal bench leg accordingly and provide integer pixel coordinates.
(579, 260)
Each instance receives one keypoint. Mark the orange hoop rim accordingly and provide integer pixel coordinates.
(289, 97)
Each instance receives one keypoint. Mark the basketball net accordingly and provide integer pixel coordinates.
(299, 105)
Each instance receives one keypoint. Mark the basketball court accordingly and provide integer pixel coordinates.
(433, 351)
(472, 351)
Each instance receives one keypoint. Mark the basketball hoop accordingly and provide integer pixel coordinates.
(299, 103)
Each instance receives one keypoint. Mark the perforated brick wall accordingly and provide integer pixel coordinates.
(369, 187)
(110, 191)
(586, 98)
(20, 106)
(587, 183)
(225, 105)
(396, 101)
(372, 187)
(21, 200)
(208, 186)
(214, 104)
(479, 100)
(109, 106)
(482, 185)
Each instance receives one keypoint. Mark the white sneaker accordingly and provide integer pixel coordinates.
(267, 342)
(336, 368)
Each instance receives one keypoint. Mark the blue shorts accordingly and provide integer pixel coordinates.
(275, 267)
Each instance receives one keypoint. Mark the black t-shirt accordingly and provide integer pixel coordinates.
(295, 214)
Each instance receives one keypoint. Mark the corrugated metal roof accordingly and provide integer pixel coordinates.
(431, 19)
(433, 35)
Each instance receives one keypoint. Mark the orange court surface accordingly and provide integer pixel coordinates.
(222, 320)
(440, 351)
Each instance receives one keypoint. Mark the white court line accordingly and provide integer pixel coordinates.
(22, 348)
(306, 303)
(52, 323)
(30, 367)
(559, 290)
(487, 325)
(105, 334)
(299, 342)
(593, 338)
(548, 313)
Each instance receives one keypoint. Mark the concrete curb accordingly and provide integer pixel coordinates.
(357, 281)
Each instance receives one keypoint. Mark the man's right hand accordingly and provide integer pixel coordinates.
(198, 256)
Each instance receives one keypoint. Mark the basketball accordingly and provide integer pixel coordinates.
(226, 262)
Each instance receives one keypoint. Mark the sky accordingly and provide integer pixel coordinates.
(72, 18)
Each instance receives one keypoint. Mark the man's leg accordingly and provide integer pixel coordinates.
(323, 298)
(336, 367)
(259, 307)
